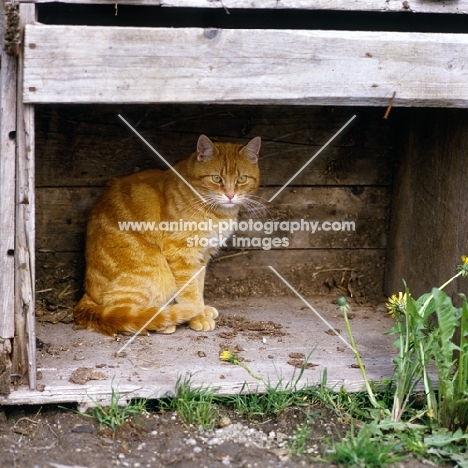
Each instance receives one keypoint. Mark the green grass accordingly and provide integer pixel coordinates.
(364, 449)
(275, 400)
(298, 442)
(265, 405)
(116, 413)
(378, 443)
(195, 405)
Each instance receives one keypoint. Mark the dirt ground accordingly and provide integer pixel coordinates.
(53, 437)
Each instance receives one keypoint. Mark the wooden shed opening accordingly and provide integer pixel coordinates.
(385, 200)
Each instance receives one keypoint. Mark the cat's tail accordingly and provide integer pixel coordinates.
(132, 318)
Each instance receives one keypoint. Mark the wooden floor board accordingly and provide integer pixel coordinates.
(152, 364)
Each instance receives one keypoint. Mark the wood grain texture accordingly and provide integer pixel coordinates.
(419, 6)
(71, 149)
(148, 65)
(62, 215)
(81, 147)
(24, 351)
(153, 364)
(8, 77)
(430, 205)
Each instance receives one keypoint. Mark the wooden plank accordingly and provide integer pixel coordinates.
(7, 183)
(61, 209)
(24, 355)
(145, 65)
(419, 6)
(62, 215)
(152, 364)
(430, 206)
(70, 140)
(84, 164)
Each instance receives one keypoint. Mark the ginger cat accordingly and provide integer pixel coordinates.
(130, 274)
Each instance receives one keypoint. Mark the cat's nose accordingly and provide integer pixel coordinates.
(230, 196)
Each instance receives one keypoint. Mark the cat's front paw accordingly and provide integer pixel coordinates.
(210, 312)
(205, 321)
(167, 330)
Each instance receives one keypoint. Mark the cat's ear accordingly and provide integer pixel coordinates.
(252, 149)
(205, 148)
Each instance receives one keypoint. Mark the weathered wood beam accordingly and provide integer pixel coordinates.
(8, 70)
(70, 153)
(419, 6)
(147, 65)
(430, 207)
(24, 352)
(7, 182)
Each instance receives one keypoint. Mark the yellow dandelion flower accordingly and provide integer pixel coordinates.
(227, 356)
(463, 268)
(396, 304)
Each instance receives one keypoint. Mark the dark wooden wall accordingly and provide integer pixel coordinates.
(79, 148)
(429, 226)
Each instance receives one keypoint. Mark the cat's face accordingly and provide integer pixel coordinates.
(227, 174)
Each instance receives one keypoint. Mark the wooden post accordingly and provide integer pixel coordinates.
(8, 70)
(24, 352)
(429, 223)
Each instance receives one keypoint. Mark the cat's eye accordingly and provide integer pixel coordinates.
(242, 179)
(216, 178)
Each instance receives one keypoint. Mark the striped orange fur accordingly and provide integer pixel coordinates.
(131, 274)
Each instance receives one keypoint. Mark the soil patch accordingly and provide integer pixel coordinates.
(51, 437)
(250, 328)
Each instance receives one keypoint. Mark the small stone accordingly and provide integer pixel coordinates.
(281, 436)
(224, 422)
(121, 456)
(82, 429)
(197, 449)
(214, 441)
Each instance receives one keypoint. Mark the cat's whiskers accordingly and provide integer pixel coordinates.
(253, 207)
(200, 206)
(251, 196)
(194, 208)
(211, 202)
